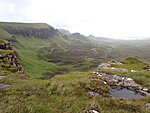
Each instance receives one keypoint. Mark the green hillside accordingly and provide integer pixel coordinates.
(45, 52)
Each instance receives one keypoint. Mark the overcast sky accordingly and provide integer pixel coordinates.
(104, 18)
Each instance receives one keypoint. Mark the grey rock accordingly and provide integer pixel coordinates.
(4, 86)
(92, 111)
(92, 93)
(148, 106)
(1, 77)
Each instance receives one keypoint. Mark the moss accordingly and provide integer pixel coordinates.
(132, 63)
(2, 41)
(4, 53)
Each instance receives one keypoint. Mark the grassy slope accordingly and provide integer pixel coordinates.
(132, 63)
(29, 55)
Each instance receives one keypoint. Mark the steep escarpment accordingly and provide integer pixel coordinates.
(36, 30)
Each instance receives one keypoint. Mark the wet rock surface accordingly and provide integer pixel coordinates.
(120, 92)
(134, 89)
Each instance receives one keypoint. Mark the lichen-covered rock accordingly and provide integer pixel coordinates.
(6, 46)
(7, 54)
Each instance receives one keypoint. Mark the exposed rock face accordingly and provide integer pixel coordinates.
(37, 33)
(37, 30)
(122, 81)
(6, 46)
(118, 80)
(12, 57)
(108, 65)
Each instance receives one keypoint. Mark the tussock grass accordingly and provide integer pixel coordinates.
(64, 94)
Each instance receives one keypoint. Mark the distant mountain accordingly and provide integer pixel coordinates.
(91, 36)
(64, 32)
(77, 35)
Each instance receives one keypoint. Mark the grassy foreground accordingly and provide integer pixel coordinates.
(62, 94)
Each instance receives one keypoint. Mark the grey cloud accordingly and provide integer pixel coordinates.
(13, 10)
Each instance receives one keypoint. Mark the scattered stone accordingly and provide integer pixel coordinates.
(92, 93)
(145, 89)
(4, 86)
(148, 106)
(118, 80)
(92, 111)
(99, 75)
(108, 67)
(134, 71)
(129, 79)
(103, 65)
(104, 82)
(117, 63)
(1, 77)
(6, 46)
(121, 81)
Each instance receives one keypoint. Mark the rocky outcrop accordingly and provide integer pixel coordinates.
(117, 80)
(108, 65)
(36, 30)
(10, 56)
(44, 33)
(6, 46)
